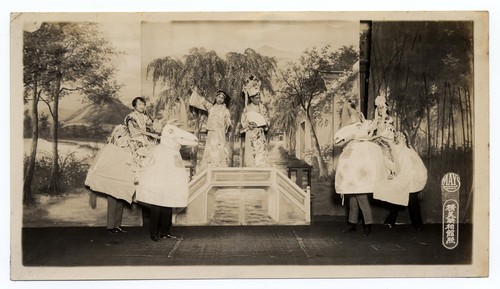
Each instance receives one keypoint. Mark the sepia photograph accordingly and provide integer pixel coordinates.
(249, 145)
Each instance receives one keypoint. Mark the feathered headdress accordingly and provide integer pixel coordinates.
(251, 87)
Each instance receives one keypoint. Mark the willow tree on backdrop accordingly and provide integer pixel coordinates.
(285, 118)
(206, 72)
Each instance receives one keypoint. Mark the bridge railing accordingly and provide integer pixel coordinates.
(287, 203)
(299, 197)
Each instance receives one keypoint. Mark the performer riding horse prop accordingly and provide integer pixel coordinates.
(111, 172)
(361, 167)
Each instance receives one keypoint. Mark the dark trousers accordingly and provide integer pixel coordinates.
(413, 210)
(357, 202)
(160, 220)
(115, 213)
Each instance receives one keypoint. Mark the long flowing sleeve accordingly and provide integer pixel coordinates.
(138, 124)
(199, 102)
(227, 119)
(244, 118)
(133, 125)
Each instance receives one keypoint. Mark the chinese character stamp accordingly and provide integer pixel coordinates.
(450, 188)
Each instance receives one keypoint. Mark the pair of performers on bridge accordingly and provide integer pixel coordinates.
(254, 122)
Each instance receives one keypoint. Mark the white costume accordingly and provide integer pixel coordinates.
(165, 183)
(411, 178)
(111, 171)
(362, 167)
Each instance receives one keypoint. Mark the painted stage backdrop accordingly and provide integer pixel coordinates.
(80, 77)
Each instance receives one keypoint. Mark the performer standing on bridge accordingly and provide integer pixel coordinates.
(255, 122)
(218, 123)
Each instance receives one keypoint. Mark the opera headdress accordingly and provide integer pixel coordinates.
(251, 86)
(380, 101)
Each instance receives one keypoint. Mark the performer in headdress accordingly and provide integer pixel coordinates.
(255, 122)
(385, 134)
(218, 123)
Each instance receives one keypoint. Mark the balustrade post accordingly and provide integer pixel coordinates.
(242, 149)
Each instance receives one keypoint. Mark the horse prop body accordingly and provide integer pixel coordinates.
(361, 167)
(164, 182)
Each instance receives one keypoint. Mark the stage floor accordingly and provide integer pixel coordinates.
(322, 243)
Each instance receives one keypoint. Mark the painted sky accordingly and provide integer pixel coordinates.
(126, 38)
(176, 38)
(143, 42)
(287, 39)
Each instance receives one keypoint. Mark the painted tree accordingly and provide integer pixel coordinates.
(34, 68)
(27, 124)
(410, 62)
(304, 84)
(44, 126)
(428, 69)
(200, 69)
(206, 72)
(285, 118)
(78, 62)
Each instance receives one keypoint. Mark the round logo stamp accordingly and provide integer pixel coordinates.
(450, 182)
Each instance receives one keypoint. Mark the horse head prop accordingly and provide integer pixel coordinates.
(172, 135)
(355, 131)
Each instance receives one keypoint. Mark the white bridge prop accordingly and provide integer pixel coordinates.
(244, 196)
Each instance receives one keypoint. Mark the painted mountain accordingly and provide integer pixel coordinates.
(111, 112)
(94, 119)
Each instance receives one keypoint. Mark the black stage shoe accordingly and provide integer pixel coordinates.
(350, 228)
(367, 231)
(168, 236)
(120, 230)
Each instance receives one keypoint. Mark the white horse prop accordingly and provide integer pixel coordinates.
(164, 182)
(361, 163)
(360, 131)
(361, 167)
